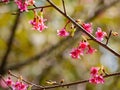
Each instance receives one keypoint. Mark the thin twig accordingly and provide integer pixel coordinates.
(63, 3)
(67, 23)
(40, 7)
(9, 45)
(83, 30)
(34, 5)
(15, 13)
(38, 86)
(108, 38)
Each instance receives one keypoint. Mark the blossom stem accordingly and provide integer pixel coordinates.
(67, 23)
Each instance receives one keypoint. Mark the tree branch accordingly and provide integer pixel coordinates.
(83, 30)
(75, 83)
(9, 45)
(38, 86)
(63, 2)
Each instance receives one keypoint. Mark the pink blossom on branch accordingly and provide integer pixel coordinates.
(100, 34)
(82, 48)
(91, 50)
(19, 86)
(97, 79)
(94, 71)
(62, 33)
(9, 82)
(75, 53)
(38, 22)
(83, 45)
(23, 4)
(87, 27)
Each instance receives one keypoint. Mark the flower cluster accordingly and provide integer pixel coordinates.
(82, 47)
(87, 27)
(38, 22)
(95, 77)
(99, 33)
(19, 85)
(23, 4)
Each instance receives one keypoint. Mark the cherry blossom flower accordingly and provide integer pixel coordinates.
(97, 79)
(19, 86)
(75, 53)
(83, 45)
(38, 22)
(92, 80)
(22, 5)
(94, 71)
(91, 50)
(100, 79)
(87, 27)
(100, 34)
(9, 82)
(62, 32)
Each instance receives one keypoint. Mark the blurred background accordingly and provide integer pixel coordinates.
(41, 56)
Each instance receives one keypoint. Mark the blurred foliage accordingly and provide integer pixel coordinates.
(58, 64)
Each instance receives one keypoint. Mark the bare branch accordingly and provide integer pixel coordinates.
(38, 86)
(108, 37)
(63, 2)
(9, 44)
(75, 83)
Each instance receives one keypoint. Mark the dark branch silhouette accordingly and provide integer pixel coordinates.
(9, 45)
